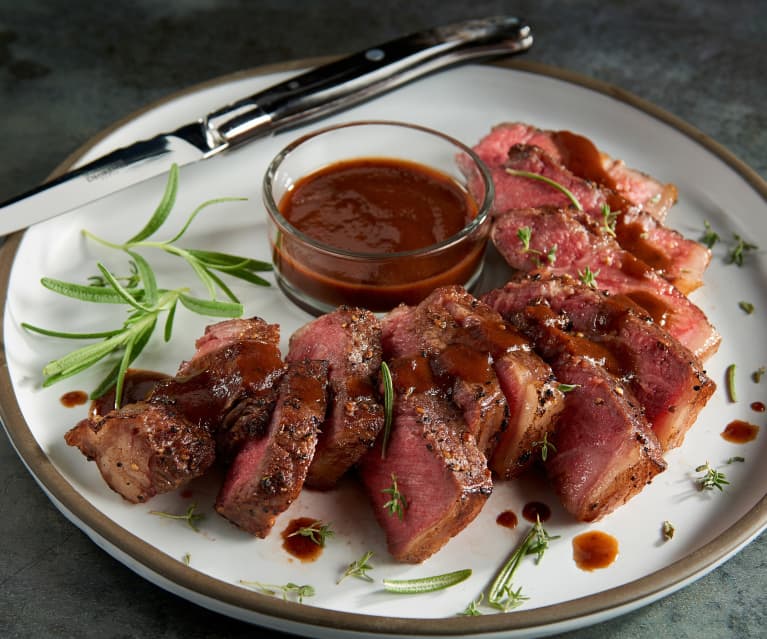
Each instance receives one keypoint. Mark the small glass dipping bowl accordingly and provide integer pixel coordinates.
(319, 277)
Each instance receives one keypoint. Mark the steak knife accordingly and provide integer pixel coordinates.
(308, 96)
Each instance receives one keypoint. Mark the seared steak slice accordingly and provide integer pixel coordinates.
(268, 473)
(678, 259)
(229, 385)
(527, 383)
(578, 250)
(666, 378)
(582, 157)
(440, 473)
(144, 449)
(461, 369)
(605, 451)
(350, 340)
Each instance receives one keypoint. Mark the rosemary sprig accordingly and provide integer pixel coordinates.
(359, 568)
(426, 584)
(397, 504)
(501, 595)
(553, 183)
(711, 478)
(388, 386)
(289, 589)
(318, 532)
(145, 299)
(190, 516)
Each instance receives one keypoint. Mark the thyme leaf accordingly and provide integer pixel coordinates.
(359, 568)
(746, 307)
(397, 503)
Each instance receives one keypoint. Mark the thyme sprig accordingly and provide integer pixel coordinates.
(711, 478)
(501, 595)
(737, 253)
(145, 299)
(397, 502)
(609, 220)
(545, 445)
(525, 235)
(359, 568)
(710, 236)
(318, 532)
(588, 277)
(191, 517)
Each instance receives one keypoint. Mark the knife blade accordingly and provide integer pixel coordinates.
(305, 97)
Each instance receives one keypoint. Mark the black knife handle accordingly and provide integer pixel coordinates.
(355, 78)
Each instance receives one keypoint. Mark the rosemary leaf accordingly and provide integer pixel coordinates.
(426, 584)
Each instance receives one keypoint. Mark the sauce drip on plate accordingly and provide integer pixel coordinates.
(740, 432)
(594, 549)
(536, 510)
(73, 398)
(301, 546)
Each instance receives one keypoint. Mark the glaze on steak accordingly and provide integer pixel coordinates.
(678, 259)
(616, 270)
(440, 472)
(350, 340)
(268, 473)
(604, 451)
(229, 385)
(526, 381)
(144, 449)
(666, 378)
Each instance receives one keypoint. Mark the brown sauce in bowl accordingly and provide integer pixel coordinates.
(367, 212)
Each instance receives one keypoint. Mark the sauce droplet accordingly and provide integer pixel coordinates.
(594, 549)
(535, 510)
(740, 432)
(757, 407)
(507, 519)
(300, 546)
(74, 398)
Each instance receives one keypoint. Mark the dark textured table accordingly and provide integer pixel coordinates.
(67, 70)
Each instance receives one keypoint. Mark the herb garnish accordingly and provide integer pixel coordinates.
(388, 406)
(668, 530)
(472, 610)
(737, 458)
(190, 516)
(545, 445)
(397, 504)
(711, 478)
(359, 568)
(588, 277)
(730, 376)
(145, 299)
(746, 307)
(709, 237)
(501, 595)
(299, 592)
(186, 558)
(525, 234)
(609, 219)
(758, 374)
(542, 178)
(567, 388)
(738, 252)
(318, 532)
(426, 584)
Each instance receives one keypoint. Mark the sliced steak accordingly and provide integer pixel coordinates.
(584, 159)
(268, 473)
(578, 249)
(461, 369)
(665, 377)
(604, 450)
(144, 449)
(678, 259)
(350, 340)
(526, 381)
(229, 385)
(440, 473)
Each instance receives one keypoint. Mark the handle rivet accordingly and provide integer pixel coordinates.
(375, 55)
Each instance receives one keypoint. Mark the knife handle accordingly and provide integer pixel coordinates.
(358, 77)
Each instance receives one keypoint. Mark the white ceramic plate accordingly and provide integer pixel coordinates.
(464, 103)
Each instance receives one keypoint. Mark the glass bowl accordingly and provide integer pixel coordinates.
(319, 277)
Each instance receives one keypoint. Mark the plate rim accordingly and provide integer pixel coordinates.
(92, 521)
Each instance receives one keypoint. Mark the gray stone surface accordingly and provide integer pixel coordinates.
(69, 69)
